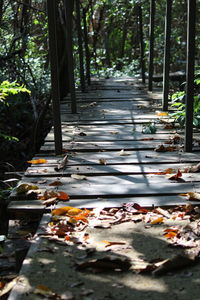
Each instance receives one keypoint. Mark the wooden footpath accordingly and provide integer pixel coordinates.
(109, 161)
(105, 143)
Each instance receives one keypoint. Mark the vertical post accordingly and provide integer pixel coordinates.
(69, 6)
(151, 43)
(142, 62)
(166, 65)
(80, 45)
(53, 50)
(191, 19)
(87, 52)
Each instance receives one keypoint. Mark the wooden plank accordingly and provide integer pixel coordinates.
(113, 157)
(104, 169)
(105, 145)
(35, 206)
(148, 179)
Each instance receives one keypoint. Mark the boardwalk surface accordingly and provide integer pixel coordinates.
(111, 160)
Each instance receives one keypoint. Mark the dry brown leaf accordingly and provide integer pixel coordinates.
(103, 161)
(56, 183)
(165, 148)
(176, 176)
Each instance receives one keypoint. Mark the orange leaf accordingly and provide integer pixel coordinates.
(157, 221)
(37, 161)
(63, 196)
(113, 243)
(170, 234)
(139, 208)
(74, 211)
(61, 211)
(171, 229)
(162, 113)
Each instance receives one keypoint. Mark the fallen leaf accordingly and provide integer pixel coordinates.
(8, 286)
(43, 290)
(78, 177)
(102, 161)
(50, 201)
(108, 243)
(25, 187)
(139, 208)
(162, 113)
(82, 134)
(170, 235)
(62, 164)
(37, 161)
(163, 212)
(192, 196)
(176, 138)
(56, 183)
(2, 284)
(165, 148)
(177, 262)
(147, 139)
(194, 169)
(149, 129)
(106, 263)
(158, 220)
(123, 153)
(61, 211)
(63, 196)
(176, 176)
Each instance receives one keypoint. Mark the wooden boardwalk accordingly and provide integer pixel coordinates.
(109, 162)
(104, 142)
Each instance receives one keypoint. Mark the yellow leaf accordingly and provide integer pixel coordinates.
(37, 161)
(162, 113)
(159, 220)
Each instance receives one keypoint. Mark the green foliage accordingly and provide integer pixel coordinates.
(11, 107)
(178, 102)
(149, 129)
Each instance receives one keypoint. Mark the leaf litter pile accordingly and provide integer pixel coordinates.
(180, 229)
